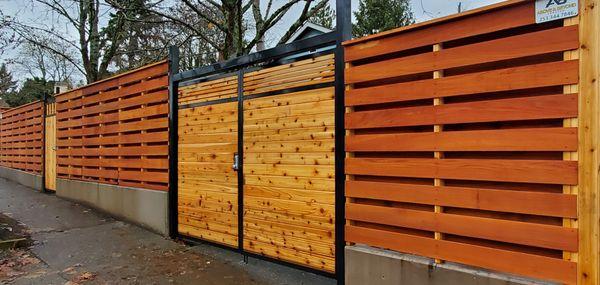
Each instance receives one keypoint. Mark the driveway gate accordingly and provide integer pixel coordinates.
(255, 158)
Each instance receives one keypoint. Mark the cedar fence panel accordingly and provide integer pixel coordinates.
(21, 140)
(208, 138)
(289, 162)
(462, 141)
(116, 131)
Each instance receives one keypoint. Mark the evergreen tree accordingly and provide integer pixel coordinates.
(374, 16)
(324, 17)
(32, 89)
(7, 84)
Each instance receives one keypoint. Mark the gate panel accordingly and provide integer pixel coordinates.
(50, 148)
(289, 171)
(207, 196)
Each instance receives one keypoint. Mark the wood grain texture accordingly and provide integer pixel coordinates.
(207, 196)
(589, 144)
(318, 70)
(50, 153)
(289, 172)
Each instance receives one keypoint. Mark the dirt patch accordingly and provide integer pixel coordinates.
(14, 257)
(13, 234)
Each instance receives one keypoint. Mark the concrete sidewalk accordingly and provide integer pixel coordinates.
(74, 245)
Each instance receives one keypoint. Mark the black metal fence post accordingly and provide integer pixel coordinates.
(173, 137)
(344, 32)
(43, 166)
(240, 167)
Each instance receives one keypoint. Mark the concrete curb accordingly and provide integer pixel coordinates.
(30, 180)
(368, 265)
(146, 208)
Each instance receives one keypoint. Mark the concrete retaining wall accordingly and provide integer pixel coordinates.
(367, 265)
(25, 178)
(146, 208)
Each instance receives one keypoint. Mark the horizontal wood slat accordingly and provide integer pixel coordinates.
(515, 109)
(542, 139)
(499, 200)
(527, 171)
(318, 70)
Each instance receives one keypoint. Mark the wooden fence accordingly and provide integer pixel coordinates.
(116, 131)
(463, 141)
(21, 134)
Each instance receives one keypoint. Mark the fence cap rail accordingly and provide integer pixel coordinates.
(20, 107)
(433, 22)
(114, 77)
(258, 57)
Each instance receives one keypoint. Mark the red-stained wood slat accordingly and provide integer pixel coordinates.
(539, 139)
(513, 78)
(527, 171)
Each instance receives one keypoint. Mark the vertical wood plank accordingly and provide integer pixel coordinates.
(438, 154)
(589, 162)
(349, 154)
(570, 122)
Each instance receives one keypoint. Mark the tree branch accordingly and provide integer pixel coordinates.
(306, 14)
(203, 16)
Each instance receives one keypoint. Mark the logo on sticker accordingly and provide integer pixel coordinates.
(550, 10)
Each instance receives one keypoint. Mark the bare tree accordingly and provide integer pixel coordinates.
(95, 44)
(41, 63)
(227, 17)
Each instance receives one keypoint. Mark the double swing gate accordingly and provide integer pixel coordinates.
(255, 154)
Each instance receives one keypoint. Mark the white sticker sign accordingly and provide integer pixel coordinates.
(550, 10)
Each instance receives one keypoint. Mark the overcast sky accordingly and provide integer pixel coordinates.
(423, 10)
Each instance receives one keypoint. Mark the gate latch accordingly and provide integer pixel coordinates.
(236, 162)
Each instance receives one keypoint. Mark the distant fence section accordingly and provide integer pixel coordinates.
(462, 141)
(116, 131)
(21, 132)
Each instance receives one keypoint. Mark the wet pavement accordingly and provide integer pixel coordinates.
(76, 245)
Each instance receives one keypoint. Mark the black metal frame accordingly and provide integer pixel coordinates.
(240, 166)
(173, 141)
(43, 170)
(240, 65)
(344, 33)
